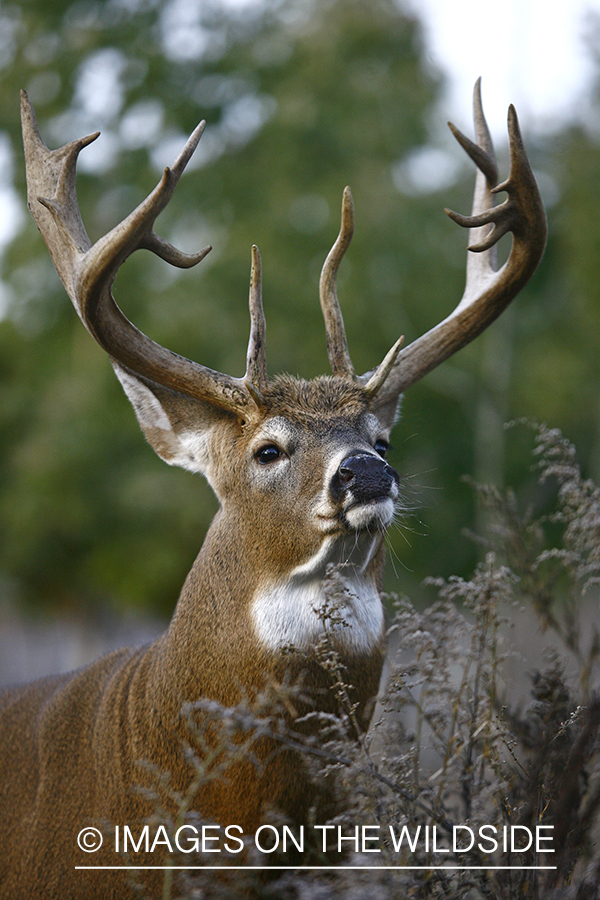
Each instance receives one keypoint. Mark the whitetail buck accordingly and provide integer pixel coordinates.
(299, 470)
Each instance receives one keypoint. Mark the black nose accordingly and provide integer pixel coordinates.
(368, 478)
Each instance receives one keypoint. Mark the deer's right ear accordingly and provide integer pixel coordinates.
(176, 427)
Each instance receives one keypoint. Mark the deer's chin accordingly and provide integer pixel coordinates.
(377, 515)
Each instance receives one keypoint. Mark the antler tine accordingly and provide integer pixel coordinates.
(88, 271)
(487, 292)
(53, 174)
(486, 177)
(377, 379)
(337, 345)
(522, 213)
(256, 378)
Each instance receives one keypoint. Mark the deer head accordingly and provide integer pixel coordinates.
(298, 467)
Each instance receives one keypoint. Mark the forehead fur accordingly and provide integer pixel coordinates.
(294, 397)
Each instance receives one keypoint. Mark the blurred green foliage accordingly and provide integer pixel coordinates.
(301, 97)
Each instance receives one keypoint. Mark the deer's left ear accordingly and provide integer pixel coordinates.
(177, 427)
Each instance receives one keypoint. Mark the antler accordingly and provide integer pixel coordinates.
(337, 345)
(88, 271)
(488, 291)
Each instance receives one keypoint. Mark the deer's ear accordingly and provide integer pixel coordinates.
(388, 412)
(177, 427)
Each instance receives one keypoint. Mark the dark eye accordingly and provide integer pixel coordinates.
(382, 447)
(267, 454)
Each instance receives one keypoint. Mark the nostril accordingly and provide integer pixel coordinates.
(346, 475)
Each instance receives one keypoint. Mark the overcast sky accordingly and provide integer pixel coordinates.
(531, 53)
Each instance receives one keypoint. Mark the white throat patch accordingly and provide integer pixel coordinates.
(325, 595)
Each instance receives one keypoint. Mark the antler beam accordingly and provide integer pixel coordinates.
(88, 271)
(488, 291)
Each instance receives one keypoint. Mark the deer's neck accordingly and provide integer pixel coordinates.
(227, 642)
(235, 622)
